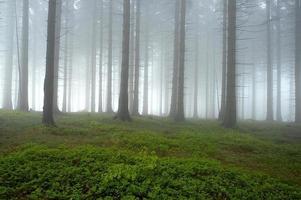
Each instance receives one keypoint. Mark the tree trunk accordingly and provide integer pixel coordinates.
(93, 57)
(110, 52)
(135, 110)
(64, 108)
(7, 98)
(50, 62)
(224, 62)
(146, 66)
(23, 82)
(132, 56)
(174, 92)
(196, 72)
(100, 58)
(229, 120)
(70, 71)
(270, 112)
(57, 54)
(298, 62)
(254, 94)
(279, 68)
(180, 116)
(123, 108)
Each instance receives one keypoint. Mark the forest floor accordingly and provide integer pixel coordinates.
(89, 155)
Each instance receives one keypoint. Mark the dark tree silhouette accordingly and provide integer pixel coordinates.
(123, 109)
(50, 62)
(298, 61)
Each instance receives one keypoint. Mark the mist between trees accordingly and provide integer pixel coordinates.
(228, 60)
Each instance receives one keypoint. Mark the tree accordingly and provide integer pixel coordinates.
(174, 91)
(123, 109)
(229, 120)
(279, 68)
(50, 64)
(179, 115)
(224, 62)
(146, 69)
(7, 98)
(23, 79)
(100, 58)
(196, 82)
(270, 112)
(135, 110)
(93, 57)
(66, 63)
(57, 53)
(110, 52)
(298, 61)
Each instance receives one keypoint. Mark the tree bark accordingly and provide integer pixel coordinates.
(100, 102)
(23, 82)
(7, 98)
(180, 116)
(110, 52)
(279, 67)
(146, 69)
(270, 112)
(229, 120)
(66, 63)
(298, 61)
(224, 62)
(123, 108)
(174, 92)
(57, 54)
(93, 57)
(135, 110)
(50, 64)
(196, 82)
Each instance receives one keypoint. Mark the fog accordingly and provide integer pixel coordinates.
(89, 35)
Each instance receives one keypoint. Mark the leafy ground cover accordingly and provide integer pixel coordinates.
(91, 156)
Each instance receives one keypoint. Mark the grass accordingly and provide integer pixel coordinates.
(89, 155)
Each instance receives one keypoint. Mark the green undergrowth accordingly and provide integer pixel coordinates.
(90, 155)
(39, 172)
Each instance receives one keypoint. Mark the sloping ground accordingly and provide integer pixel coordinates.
(88, 156)
(37, 172)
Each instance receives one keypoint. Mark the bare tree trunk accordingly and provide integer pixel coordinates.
(270, 112)
(23, 83)
(224, 70)
(110, 52)
(180, 116)
(70, 71)
(196, 82)
(254, 83)
(57, 54)
(298, 62)
(174, 92)
(50, 62)
(229, 120)
(123, 108)
(64, 107)
(279, 68)
(135, 110)
(132, 57)
(7, 98)
(100, 58)
(93, 57)
(146, 66)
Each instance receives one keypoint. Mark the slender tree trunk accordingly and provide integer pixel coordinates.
(279, 81)
(57, 54)
(270, 112)
(64, 108)
(110, 52)
(254, 94)
(298, 61)
(123, 108)
(135, 110)
(174, 92)
(224, 70)
(50, 62)
(100, 58)
(180, 116)
(93, 57)
(146, 69)
(132, 57)
(196, 82)
(70, 71)
(229, 120)
(7, 98)
(23, 83)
